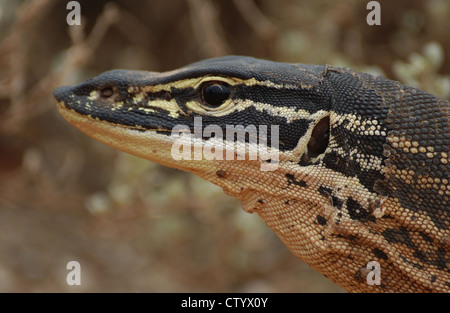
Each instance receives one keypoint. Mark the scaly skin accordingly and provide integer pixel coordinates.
(360, 172)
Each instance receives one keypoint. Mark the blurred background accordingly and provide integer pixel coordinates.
(134, 225)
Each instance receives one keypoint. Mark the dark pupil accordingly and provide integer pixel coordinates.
(216, 94)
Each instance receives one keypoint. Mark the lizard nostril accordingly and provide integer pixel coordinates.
(106, 92)
(168, 96)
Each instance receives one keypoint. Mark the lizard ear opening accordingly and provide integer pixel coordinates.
(319, 138)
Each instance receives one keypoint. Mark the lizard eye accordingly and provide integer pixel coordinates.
(215, 93)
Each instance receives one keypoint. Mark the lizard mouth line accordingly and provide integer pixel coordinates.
(70, 114)
(240, 143)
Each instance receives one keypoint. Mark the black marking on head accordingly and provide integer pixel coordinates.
(351, 168)
(426, 237)
(352, 238)
(365, 96)
(221, 174)
(442, 260)
(398, 235)
(435, 257)
(413, 264)
(334, 161)
(420, 255)
(379, 254)
(321, 220)
(427, 201)
(324, 191)
(365, 143)
(337, 202)
(291, 179)
(357, 211)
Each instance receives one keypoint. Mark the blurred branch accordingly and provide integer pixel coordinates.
(25, 102)
(207, 29)
(422, 70)
(134, 30)
(13, 48)
(260, 24)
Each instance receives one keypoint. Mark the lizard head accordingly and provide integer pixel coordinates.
(321, 153)
(220, 111)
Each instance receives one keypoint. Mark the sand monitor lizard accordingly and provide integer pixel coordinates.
(357, 167)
